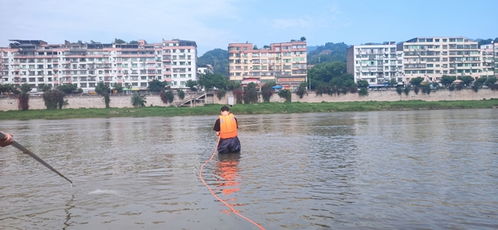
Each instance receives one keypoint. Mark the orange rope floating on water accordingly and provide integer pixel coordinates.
(236, 212)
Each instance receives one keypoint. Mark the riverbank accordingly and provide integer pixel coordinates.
(262, 108)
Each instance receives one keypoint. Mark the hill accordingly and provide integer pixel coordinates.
(218, 58)
(329, 52)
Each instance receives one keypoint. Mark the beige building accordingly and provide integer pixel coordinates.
(433, 57)
(285, 63)
(132, 65)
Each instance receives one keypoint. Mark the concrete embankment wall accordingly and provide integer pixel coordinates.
(385, 95)
(10, 103)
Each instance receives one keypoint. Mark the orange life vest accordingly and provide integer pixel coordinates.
(228, 126)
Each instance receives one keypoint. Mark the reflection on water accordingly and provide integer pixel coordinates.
(228, 178)
(67, 210)
(360, 170)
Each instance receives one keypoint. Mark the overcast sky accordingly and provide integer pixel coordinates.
(215, 23)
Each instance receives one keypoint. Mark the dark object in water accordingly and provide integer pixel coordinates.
(34, 156)
(229, 145)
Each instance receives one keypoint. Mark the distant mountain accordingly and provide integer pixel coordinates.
(327, 53)
(218, 58)
(312, 48)
(486, 41)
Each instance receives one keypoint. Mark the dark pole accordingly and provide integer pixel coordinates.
(26, 151)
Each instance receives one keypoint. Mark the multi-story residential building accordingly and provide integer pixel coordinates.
(375, 63)
(433, 57)
(207, 69)
(488, 60)
(496, 58)
(85, 64)
(284, 63)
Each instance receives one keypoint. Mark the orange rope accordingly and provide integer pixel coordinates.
(236, 212)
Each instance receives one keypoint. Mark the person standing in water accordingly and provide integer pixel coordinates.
(226, 127)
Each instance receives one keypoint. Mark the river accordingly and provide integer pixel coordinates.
(433, 169)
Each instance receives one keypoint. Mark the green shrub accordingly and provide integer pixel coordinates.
(285, 94)
(138, 100)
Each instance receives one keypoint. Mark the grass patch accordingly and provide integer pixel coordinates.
(262, 108)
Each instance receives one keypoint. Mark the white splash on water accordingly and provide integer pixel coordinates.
(103, 191)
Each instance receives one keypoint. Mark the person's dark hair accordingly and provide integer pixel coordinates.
(225, 108)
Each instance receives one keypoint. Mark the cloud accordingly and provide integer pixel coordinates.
(59, 20)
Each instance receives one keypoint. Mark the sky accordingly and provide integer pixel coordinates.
(215, 23)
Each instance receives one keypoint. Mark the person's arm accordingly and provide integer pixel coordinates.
(6, 140)
(217, 127)
(236, 122)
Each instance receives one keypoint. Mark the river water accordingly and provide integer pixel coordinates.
(356, 170)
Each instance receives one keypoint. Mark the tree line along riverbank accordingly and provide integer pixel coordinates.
(260, 108)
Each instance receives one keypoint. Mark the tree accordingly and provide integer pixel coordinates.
(285, 94)
(239, 95)
(324, 72)
(301, 90)
(490, 81)
(44, 87)
(210, 81)
(407, 90)
(416, 81)
(54, 99)
(119, 41)
(447, 80)
(156, 86)
(192, 85)
(118, 88)
(399, 89)
(426, 87)
(303, 39)
(481, 42)
(68, 88)
(267, 91)
(467, 80)
(138, 100)
(104, 90)
(321, 88)
(331, 78)
(479, 83)
(250, 94)
(363, 85)
(23, 96)
(363, 92)
(416, 89)
(181, 94)
(220, 93)
(6, 88)
(167, 96)
(476, 86)
(343, 84)
(231, 85)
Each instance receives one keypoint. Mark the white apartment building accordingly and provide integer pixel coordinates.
(132, 65)
(433, 57)
(488, 60)
(375, 63)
